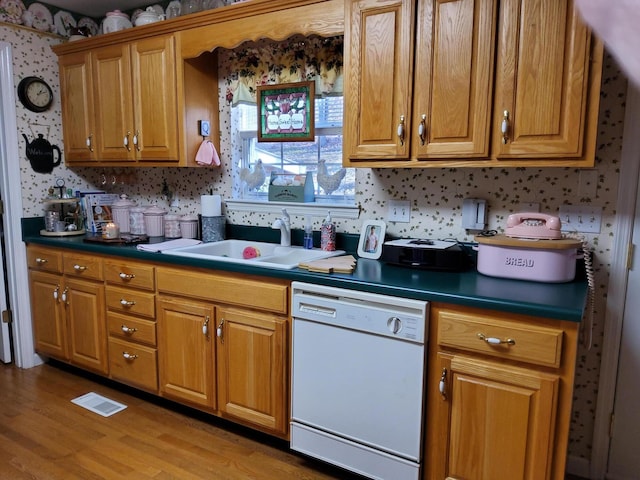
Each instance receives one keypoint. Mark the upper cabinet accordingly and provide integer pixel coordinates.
(134, 87)
(438, 83)
(134, 97)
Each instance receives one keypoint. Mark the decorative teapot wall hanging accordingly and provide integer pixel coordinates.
(41, 154)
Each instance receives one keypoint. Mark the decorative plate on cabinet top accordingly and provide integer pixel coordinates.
(90, 24)
(11, 11)
(159, 10)
(42, 18)
(63, 21)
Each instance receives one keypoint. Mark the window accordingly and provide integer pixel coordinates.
(296, 158)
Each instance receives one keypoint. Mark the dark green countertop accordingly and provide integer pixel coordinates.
(563, 301)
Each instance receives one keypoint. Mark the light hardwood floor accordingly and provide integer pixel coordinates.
(44, 436)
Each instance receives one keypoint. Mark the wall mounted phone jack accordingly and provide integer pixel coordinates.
(474, 214)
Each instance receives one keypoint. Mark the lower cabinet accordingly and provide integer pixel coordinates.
(186, 342)
(252, 364)
(68, 308)
(498, 395)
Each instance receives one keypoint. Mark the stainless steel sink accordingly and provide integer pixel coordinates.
(270, 255)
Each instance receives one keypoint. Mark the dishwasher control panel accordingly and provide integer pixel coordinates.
(362, 311)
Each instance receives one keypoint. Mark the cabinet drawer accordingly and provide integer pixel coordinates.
(530, 343)
(131, 328)
(130, 274)
(133, 364)
(85, 266)
(234, 289)
(131, 301)
(44, 259)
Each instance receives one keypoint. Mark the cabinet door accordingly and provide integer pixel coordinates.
(113, 102)
(87, 326)
(186, 351)
(76, 97)
(154, 93)
(47, 312)
(453, 78)
(252, 368)
(491, 421)
(542, 73)
(378, 63)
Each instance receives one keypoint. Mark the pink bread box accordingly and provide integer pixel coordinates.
(552, 261)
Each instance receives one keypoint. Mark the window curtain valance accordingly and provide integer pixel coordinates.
(296, 59)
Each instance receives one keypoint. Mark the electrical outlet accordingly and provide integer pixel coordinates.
(399, 211)
(580, 218)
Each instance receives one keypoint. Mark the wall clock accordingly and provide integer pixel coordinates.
(35, 94)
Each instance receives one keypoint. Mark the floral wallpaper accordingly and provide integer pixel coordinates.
(435, 194)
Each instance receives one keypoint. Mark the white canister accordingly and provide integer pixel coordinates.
(154, 221)
(121, 213)
(115, 21)
(171, 226)
(189, 226)
(136, 220)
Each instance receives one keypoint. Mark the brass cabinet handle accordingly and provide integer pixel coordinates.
(64, 295)
(41, 261)
(56, 293)
(205, 326)
(127, 276)
(220, 330)
(401, 130)
(136, 140)
(422, 129)
(504, 127)
(127, 303)
(90, 142)
(79, 268)
(128, 330)
(126, 141)
(129, 356)
(495, 340)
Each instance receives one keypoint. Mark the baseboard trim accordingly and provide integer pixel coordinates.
(578, 466)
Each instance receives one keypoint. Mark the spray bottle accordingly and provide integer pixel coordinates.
(328, 234)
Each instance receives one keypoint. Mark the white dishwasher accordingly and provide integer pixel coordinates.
(358, 373)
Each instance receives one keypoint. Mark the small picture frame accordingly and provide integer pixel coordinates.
(371, 239)
(286, 112)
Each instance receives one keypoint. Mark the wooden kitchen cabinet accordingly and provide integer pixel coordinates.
(186, 343)
(251, 364)
(498, 395)
(68, 307)
(234, 345)
(134, 87)
(427, 84)
(131, 323)
(78, 115)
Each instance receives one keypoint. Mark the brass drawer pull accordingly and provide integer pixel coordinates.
(41, 261)
(79, 268)
(496, 341)
(128, 330)
(442, 385)
(127, 276)
(127, 303)
(129, 356)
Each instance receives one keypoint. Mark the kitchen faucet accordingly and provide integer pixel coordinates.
(284, 224)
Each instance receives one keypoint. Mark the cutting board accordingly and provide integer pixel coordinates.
(343, 264)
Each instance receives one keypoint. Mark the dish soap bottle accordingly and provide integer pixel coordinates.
(308, 234)
(328, 234)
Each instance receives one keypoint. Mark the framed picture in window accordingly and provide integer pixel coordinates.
(371, 239)
(285, 112)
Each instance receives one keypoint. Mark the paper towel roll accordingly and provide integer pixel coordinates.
(210, 205)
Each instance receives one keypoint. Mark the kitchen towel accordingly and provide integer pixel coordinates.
(168, 245)
(207, 154)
